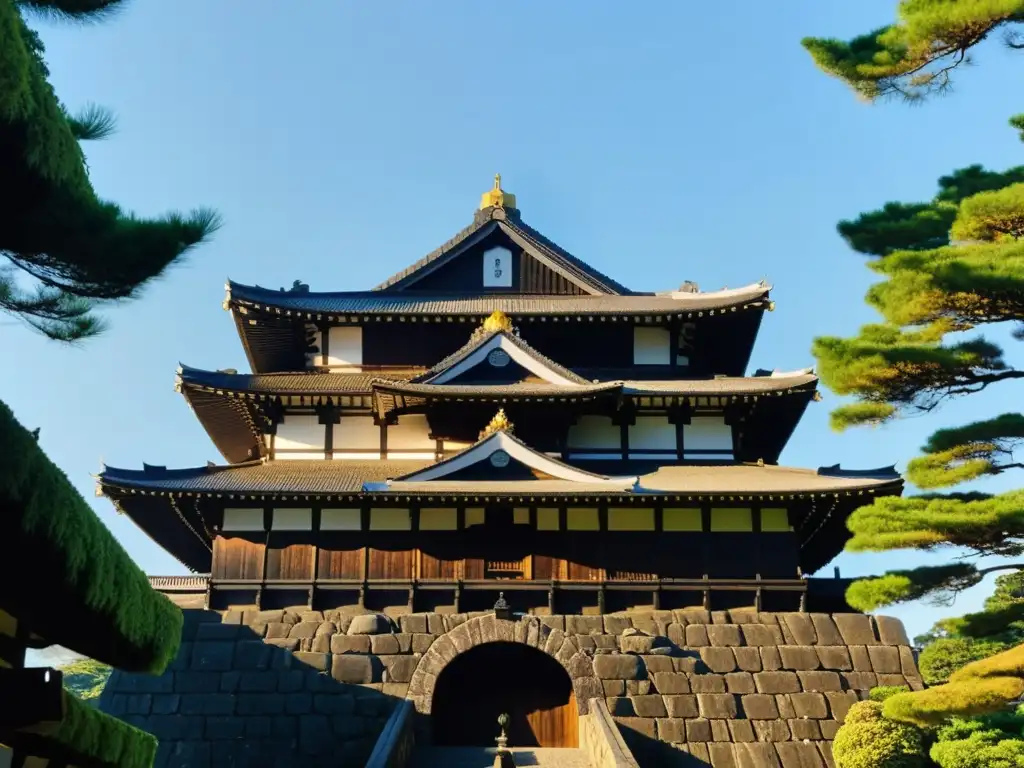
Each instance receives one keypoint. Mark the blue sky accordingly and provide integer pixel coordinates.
(341, 143)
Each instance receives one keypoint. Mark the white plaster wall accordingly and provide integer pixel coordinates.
(292, 520)
(707, 433)
(652, 436)
(409, 438)
(651, 346)
(237, 519)
(357, 433)
(300, 431)
(340, 519)
(593, 432)
(346, 347)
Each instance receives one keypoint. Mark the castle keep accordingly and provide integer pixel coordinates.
(501, 481)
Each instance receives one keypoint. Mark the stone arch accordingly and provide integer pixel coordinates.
(489, 629)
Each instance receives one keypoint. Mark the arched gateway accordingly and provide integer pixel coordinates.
(534, 672)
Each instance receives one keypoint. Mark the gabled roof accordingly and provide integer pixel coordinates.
(495, 219)
(500, 448)
(483, 342)
(310, 305)
(168, 504)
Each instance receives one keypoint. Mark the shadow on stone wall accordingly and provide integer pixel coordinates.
(231, 699)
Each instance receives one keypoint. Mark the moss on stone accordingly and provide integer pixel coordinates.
(74, 584)
(86, 736)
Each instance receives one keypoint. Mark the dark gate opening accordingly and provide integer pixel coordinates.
(485, 681)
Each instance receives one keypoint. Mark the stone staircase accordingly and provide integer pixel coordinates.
(483, 757)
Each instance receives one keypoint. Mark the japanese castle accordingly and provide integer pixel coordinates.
(499, 417)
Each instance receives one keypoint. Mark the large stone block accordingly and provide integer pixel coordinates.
(885, 659)
(771, 660)
(696, 635)
(383, 644)
(644, 726)
(304, 629)
(810, 705)
(761, 634)
(748, 659)
(618, 667)
(258, 681)
(370, 624)
(891, 630)
(398, 669)
(820, 681)
(584, 625)
(707, 683)
(350, 668)
(698, 729)
(855, 628)
(681, 705)
(798, 629)
(740, 682)
(798, 657)
(772, 730)
(277, 630)
(756, 755)
(777, 682)
(651, 705)
(716, 705)
(212, 656)
(616, 624)
(859, 657)
(740, 730)
(724, 634)
(658, 664)
(796, 754)
(826, 630)
(350, 644)
(839, 703)
(672, 729)
(836, 657)
(317, 661)
(759, 706)
(671, 682)
(718, 659)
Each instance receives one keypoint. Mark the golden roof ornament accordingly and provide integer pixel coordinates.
(498, 321)
(499, 423)
(497, 197)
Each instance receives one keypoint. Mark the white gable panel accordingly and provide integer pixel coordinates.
(300, 432)
(707, 437)
(652, 436)
(651, 346)
(345, 347)
(499, 341)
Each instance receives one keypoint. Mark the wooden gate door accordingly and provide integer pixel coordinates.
(495, 678)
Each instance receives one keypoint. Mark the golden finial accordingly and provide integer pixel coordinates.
(497, 197)
(499, 423)
(497, 321)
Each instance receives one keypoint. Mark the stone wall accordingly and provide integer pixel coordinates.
(731, 688)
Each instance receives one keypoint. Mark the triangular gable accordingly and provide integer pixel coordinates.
(502, 228)
(500, 349)
(499, 449)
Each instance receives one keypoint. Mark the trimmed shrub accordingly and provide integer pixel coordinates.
(868, 740)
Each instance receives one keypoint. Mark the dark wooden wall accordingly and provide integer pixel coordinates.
(573, 555)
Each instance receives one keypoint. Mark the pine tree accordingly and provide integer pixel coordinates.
(952, 266)
(74, 249)
(918, 55)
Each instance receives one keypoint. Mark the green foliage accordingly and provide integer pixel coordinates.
(85, 678)
(987, 742)
(981, 687)
(80, 569)
(988, 525)
(945, 656)
(75, 248)
(904, 586)
(103, 739)
(867, 740)
(917, 55)
(883, 692)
